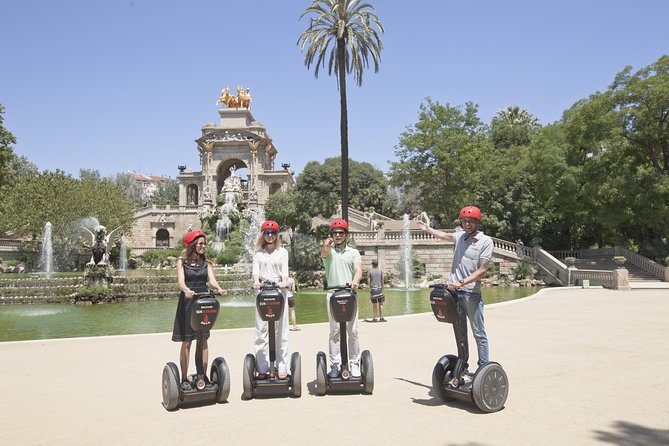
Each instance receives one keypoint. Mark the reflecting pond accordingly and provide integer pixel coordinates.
(46, 321)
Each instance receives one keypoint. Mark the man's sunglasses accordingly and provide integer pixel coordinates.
(338, 233)
(269, 232)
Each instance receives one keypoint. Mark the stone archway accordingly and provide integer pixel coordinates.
(192, 195)
(223, 172)
(162, 238)
(274, 188)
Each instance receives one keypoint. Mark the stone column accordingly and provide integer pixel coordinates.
(621, 279)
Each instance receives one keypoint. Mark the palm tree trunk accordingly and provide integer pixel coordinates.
(343, 125)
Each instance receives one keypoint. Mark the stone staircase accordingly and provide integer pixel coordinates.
(603, 263)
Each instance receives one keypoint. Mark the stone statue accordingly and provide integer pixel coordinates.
(233, 183)
(100, 241)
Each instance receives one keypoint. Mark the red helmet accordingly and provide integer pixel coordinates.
(341, 224)
(269, 224)
(471, 211)
(191, 236)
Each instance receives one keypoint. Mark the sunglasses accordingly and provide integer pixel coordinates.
(269, 232)
(338, 233)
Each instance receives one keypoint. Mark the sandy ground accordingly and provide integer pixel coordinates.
(585, 366)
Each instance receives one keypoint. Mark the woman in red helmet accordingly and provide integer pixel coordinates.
(270, 262)
(342, 265)
(194, 270)
(472, 253)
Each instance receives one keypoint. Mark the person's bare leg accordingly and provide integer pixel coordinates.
(184, 356)
(205, 355)
(293, 318)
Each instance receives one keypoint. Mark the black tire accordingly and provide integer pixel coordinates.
(296, 374)
(248, 375)
(490, 387)
(220, 374)
(321, 374)
(367, 366)
(439, 375)
(170, 386)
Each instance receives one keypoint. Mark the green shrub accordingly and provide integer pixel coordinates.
(158, 256)
(492, 270)
(234, 248)
(523, 270)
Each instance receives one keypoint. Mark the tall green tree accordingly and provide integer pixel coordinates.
(167, 193)
(62, 200)
(513, 126)
(319, 185)
(441, 156)
(347, 33)
(287, 208)
(7, 155)
(642, 101)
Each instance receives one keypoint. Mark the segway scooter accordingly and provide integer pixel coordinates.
(270, 305)
(203, 313)
(343, 305)
(488, 387)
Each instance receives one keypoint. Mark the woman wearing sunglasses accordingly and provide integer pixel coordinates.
(194, 270)
(270, 262)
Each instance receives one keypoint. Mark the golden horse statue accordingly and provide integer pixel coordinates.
(243, 98)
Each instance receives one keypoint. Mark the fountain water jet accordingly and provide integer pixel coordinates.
(46, 259)
(406, 252)
(122, 256)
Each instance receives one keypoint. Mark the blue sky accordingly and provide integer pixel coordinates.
(118, 85)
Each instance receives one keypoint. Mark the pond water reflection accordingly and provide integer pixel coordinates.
(46, 321)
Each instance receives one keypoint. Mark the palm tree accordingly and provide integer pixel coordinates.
(349, 31)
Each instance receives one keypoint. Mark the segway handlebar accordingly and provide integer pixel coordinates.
(269, 285)
(208, 293)
(444, 285)
(340, 287)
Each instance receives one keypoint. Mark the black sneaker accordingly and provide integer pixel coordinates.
(186, 385)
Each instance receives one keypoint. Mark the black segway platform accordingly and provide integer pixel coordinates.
(216, 388)
(343, 304)
(488, 388)
(270, 304)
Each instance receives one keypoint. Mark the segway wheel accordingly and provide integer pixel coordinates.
(248, 375)
(296, 374)
(321, 374)
(367, 366)
(170, 386)
(220, 374)
(440, 373)
(490, 387)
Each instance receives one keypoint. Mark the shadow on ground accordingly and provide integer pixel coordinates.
(632, 434)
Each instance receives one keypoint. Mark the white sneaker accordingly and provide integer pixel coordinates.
(355, 370)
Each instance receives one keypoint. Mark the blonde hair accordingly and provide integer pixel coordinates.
(260, 241)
